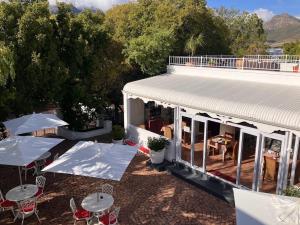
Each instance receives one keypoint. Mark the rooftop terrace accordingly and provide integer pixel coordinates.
(283, 63)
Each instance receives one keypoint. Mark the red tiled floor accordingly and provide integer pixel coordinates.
(144, 195)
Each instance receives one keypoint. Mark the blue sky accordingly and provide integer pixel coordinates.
(273, 6)
(264, 8)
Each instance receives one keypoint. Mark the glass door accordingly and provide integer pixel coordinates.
(271, 157)
(249, 159)
(186, 142)
(192, 131)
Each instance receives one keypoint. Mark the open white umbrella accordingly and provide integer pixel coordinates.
(106, 161)
(255, 208)
(33, 122)
(23, 150)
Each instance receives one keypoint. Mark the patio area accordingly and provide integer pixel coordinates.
(144, 195)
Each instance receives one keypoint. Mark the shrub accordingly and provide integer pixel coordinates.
(292, 191)
(118, 132)
(157, 144)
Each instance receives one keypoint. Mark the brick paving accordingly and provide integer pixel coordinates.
(144, 195)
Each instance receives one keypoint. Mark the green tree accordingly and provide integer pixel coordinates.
(7, 69)
(193, 43)
(292, 48)
(246, 33)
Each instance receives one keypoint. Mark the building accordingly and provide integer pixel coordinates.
(237, 119)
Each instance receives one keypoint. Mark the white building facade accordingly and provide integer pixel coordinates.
(201, 100)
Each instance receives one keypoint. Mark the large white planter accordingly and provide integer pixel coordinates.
(157, 157)
(118, 142)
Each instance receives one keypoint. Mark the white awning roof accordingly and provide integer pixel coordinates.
(33, 122)
(271, 103)
(22, 150)
(106, 161)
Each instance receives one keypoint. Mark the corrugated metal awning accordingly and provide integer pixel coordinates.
(271, 104)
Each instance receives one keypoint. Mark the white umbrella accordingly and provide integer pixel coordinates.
(106, 161)
(255, 208)
(22, 150)
(33, 122)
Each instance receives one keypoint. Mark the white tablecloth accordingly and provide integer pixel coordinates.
(96, 204)
(20, 193)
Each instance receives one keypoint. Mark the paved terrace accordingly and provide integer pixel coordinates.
(144, 195)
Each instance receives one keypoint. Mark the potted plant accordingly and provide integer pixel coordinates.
(157, 149)
(118, 134)
(292, 191)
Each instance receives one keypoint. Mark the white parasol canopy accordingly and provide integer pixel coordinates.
(33, 122)
(255, 208)
(106, 161)
(22, 150)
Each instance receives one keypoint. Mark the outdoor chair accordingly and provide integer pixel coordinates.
(212, 146)
(31, 166)
(270, 170)
(228, 135)
(79, 214)
(110, 218)
(107, 188)
(40, 183)
(233, 151)
(49, 161)
(168, 132)
(26, 208)
(6, 204)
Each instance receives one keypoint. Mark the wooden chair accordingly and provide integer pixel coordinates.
(228, 135)
(270, 168)
(212, 146)
(168, 132)
(234, 151)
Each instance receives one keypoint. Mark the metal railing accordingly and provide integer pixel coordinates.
(285, 63)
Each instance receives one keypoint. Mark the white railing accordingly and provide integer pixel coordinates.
(286, 63)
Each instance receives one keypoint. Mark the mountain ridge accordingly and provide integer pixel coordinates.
(281, 29)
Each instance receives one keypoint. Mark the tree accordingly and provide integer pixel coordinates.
(292, 48)
(193, 43)
(7, 70)
(151, 30)
(246, 32)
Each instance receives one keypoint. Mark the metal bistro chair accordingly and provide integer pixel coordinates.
(6, 204)
(30, 166)
(26, 208)
(107, 188)
(79, 214)
(40, 183)
(110, 218)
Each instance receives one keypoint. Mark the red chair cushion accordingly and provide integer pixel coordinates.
(40, 192)
(7, 204)
(105, 219)
(144, 150)
(28, 209)
(30, 165)
(130, 143)
(82, 214)
(48, 162)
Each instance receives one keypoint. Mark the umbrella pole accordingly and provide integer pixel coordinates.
(20, 176)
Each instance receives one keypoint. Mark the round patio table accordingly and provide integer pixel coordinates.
(97, 202)
(46, 155)
(21, 193)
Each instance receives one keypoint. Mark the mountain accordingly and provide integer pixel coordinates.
(282, 28)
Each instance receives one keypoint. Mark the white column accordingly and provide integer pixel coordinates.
(126, 106)
(238, 172)
(286, 165)
(295, 157)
